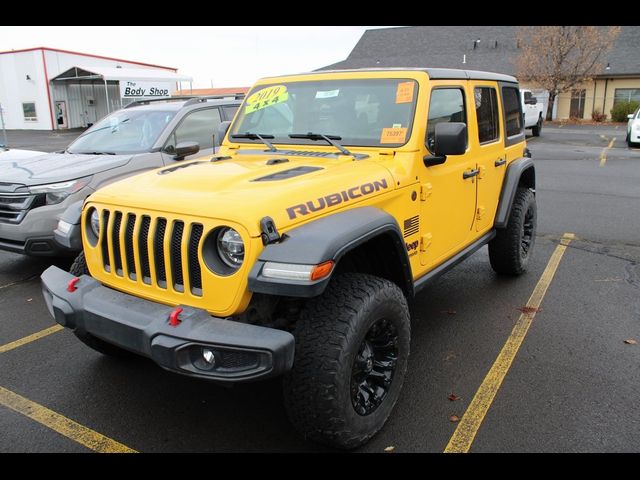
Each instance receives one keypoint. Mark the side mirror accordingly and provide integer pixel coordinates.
(184, 149)
(223, 128)
(630, 116)
(449, 139)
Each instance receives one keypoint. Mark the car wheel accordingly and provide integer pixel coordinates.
(510, 250)
(352, 346)
(79, 266)
(537, 128)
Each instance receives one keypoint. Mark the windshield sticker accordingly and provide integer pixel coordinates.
(397, 125)
(327, 94)
(393, 135)
(266, 97)
(404, 92)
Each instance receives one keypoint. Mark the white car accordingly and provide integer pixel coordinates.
(533, 111)
(12, 154)
(633, 129)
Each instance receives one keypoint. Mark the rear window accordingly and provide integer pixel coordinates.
(512, 111)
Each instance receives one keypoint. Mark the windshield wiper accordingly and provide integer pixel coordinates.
(257, 136)
(327, 138)
(95, 153)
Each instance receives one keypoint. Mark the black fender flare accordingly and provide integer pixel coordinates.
(515, 171)
(324, 239)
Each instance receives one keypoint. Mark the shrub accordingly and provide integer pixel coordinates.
(596, 116)
(620, 110)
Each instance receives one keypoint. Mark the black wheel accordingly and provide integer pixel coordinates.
(79, 266)
(537, 128)
(352, 346)
(510, 250)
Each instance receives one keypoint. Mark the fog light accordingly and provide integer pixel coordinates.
(208, 357)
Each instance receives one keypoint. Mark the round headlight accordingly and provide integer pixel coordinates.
(95, 222)
(230, 247)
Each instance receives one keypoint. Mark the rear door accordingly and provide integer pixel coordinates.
(488, 145)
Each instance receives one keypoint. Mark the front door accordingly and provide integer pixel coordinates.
(61, 114)
(448, 199)
(577, 103)
(487, 142)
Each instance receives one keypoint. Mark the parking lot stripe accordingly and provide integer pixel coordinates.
(61, 424)
(30, 338)
(467, 429)
(603, 155)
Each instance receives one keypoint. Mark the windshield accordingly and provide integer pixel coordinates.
(372, 112)
(125, 131)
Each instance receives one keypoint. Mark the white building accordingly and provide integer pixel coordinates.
(47, 89)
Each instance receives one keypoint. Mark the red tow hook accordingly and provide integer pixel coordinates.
(71, 286)
(174, 321)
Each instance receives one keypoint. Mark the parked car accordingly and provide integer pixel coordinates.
(12, 154)
(335, 198)
(633, 129)
(35, 193)
(533, 112)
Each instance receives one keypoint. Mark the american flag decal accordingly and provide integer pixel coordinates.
(411, 226)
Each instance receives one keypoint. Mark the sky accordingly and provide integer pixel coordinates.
(225, 56)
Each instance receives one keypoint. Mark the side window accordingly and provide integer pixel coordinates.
(527, 96)
(486, 100)
(230, 111)
(198, 126)
(447, 105)
(512, 111)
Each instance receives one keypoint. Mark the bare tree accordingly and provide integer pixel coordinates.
(559, 58)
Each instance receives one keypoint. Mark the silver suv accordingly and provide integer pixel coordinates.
(36, 193)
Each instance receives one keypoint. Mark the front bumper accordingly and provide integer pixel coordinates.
(243, 352)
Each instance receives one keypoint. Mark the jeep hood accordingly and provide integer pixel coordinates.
(57, 167)
(245, 189)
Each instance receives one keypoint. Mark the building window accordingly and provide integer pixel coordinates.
(447, 105)
(486, 100)
(512, 111)
(626, 95)
(29, 110)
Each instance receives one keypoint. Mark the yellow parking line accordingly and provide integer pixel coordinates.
(31, 338)
(603, 155)
(60, 424)
(467, 429)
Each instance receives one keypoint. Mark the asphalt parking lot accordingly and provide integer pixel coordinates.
(573, 385)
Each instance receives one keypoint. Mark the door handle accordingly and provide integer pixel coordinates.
(470, 173)
(500, 162)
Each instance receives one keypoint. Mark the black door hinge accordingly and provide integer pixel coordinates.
(268, 231)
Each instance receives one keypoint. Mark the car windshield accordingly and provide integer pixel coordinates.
(371, 112)
(125, 131)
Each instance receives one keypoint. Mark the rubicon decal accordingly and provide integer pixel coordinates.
(337, 198)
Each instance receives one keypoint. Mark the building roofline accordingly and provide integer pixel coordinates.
(59, 50)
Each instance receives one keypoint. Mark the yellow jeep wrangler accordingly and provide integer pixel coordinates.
(335, 197)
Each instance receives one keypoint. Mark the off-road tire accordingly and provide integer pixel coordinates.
(329, 334)
(537, 128)
(79, 266)
(506, 251)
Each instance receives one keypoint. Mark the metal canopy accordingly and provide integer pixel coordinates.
(80, 73)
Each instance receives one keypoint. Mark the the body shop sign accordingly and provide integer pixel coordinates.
(131, 89)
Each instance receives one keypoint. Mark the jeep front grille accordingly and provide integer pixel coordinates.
(152, 251)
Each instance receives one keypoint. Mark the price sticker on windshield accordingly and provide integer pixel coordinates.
(393, 135)
(266, 97)
(404, 92)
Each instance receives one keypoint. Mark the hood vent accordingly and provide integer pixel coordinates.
(284, 174)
